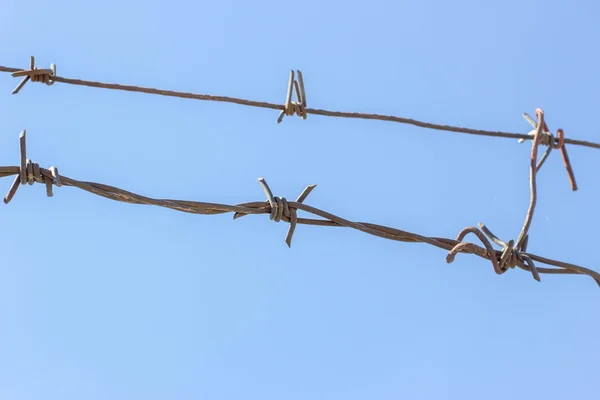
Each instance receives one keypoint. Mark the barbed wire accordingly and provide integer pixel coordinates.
(279, 209)
(49, 77)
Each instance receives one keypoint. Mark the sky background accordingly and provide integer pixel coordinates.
(106, 300)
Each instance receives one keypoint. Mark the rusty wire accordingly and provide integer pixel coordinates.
(299, 108)
(280, 209)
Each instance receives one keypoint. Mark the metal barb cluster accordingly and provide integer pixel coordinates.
(292, 107)
(547, 139)
(509, 257)
(280, 209)
(30, 172)
(35, 75)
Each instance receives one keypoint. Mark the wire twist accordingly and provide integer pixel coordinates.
(509, 257)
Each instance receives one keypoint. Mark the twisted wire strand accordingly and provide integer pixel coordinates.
(289, 108)
(280, 209)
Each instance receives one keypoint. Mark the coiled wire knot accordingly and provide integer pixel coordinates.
(35, 75)
(30, 172)
(281, 209)
(292, 107)
(510, 256)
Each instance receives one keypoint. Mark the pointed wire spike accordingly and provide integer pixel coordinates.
(530, 120)
(294, 217)
(281, 115)
(23, 151)
(305, 193)
(13, 189)
(297, 90)
(266, 189)
(49, 192)
(291, 230)
(299, 97)
(270, 198)
(20, 85)
(288, 99)
(533, 269)
(302, 97)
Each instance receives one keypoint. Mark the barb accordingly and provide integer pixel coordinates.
(509, 257)
(305, 111)
(548, 139)
(292, 107)
(280, 209)
(30, 172)
(35, 75)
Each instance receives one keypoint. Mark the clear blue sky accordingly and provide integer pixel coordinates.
(105, 300)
